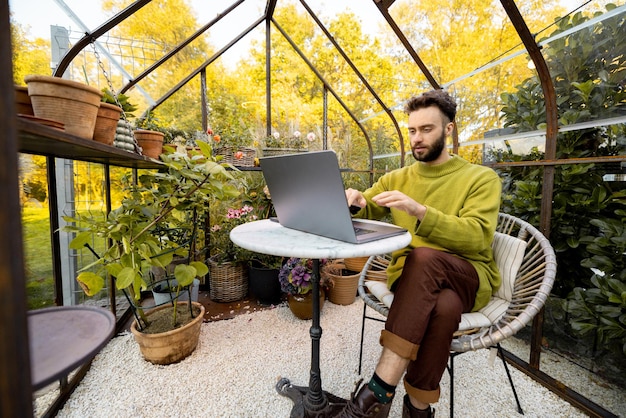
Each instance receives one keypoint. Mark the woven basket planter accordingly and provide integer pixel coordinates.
(344, 286)
(228, 281)
(106, 123)
(237, 156)
(74, 104)
(151, 142)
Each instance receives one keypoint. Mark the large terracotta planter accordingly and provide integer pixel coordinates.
(74, 104)
(171, 346)
(106, 123)
(302, 305)
(151, 142)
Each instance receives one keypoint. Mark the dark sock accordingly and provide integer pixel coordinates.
(383, 391)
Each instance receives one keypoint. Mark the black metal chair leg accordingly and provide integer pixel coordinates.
(451, 373)
(508, 373)
(362, 337)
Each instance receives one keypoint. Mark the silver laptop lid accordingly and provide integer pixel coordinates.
(308, 195)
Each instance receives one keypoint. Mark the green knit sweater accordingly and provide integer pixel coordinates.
(462, 202)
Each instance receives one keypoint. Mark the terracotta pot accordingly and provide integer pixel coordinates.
(151, 142)
(344, 288)
(75, 104)
(106, 123)
(355, 263)
(171, 346)
(302, 305)
(23, 106)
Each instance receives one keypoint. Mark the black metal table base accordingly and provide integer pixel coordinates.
(330, 406)
(312, 401)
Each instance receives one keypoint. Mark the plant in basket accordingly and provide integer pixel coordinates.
(228, 262)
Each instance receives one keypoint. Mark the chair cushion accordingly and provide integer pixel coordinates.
(380, 291)
(508, 253)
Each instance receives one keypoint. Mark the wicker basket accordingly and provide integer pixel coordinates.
(344, 287)
(228, 281)
(230, 155)
(271, 152)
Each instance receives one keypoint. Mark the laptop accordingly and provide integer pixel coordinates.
(308, 195)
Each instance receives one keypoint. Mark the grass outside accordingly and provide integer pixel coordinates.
(37, 257)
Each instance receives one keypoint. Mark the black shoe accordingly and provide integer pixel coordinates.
(365, 405)
(409, 411)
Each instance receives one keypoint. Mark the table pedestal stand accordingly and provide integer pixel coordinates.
(312, 401)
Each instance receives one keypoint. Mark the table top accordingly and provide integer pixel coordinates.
(64, 337)
(269, 237)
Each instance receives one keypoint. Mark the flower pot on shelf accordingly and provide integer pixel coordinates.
(151, 142)
(228, 281)
(106, 123)
(74, 104)
(264, 284)
(23, 106)
(174, 345)
(301, 305)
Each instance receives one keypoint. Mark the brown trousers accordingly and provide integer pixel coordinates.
(435, 288)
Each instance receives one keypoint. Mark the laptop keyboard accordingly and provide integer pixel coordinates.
(360, 231)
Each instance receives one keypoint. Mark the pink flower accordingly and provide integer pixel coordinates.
(310, 136)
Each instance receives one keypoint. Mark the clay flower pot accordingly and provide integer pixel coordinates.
(106, 123)
(151, 142)
(74, 104)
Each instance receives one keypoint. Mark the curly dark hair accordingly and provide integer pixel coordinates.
(439, 98)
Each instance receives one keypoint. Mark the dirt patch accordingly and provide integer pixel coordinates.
(163, 319)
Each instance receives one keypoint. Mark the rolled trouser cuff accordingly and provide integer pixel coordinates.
(425, 396)
(398, 345)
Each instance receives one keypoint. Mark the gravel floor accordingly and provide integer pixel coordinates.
(234, 370)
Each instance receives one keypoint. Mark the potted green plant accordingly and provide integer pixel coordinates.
(188, 183)
(295, 280)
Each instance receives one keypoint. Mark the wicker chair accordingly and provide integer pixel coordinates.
(527, 264)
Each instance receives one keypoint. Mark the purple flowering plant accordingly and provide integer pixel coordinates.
(296, 274)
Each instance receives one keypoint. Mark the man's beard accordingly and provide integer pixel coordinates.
(433, 153)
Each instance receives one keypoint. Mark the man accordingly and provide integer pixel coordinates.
(451, 208)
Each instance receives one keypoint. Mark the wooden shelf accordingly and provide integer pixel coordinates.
(35, 138)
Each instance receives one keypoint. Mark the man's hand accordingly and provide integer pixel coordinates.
(398, 200)
(355, 198)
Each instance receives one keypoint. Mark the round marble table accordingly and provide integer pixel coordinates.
(269, 237)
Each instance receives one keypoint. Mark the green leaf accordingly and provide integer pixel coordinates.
(91, 283)
(80, 240)
(125, 277)
(184, 274)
